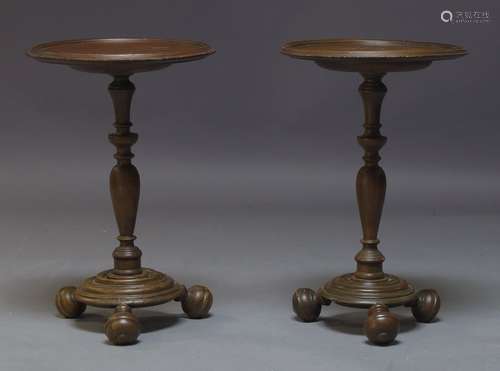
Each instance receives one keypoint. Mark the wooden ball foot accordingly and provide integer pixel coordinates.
(66, 303)
(426, 306)
(381, 326)
(122, 327)
(196, 301)
(307, 304)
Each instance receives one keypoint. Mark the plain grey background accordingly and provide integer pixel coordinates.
(248, 160)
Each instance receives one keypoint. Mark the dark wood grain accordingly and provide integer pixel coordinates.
(371, 50)
(380, 56)
(306, 304)
(124, 179)
(381, 326)
(122, 327)
(369, 286)
(128, 284)
(426, 306)
(120, 56)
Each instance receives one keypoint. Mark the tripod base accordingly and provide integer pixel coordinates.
(381, 326)
(124, 292)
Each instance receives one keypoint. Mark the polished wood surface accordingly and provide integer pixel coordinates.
(369, 286)
(381, 326)
(371, 50)
(122, 327)
(120, 56)
(352, 289)
(381, 56)
(127, 285)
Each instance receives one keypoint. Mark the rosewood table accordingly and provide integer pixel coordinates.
(128, 285)
(369, 287)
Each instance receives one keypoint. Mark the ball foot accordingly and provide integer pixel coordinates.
(306, 304)
(196, 301)
(381, 326)
(66, 303)
(426, 306)
(122, 327)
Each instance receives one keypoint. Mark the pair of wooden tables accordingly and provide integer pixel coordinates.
(129, 285)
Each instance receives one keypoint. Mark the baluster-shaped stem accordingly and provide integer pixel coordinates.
(124, 179)
(370, 181)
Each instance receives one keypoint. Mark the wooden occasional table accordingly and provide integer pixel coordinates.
(369, 286)
(128, 285)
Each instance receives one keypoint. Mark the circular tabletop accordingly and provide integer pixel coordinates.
(121, 54)
(359, 53)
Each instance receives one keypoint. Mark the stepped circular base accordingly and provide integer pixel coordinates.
(145, 289)
(352, 291)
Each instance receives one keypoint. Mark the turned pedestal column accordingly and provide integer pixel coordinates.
(369, 287)
(128, 285)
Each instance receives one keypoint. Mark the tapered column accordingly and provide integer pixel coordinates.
(124, 179)
(370, 181)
